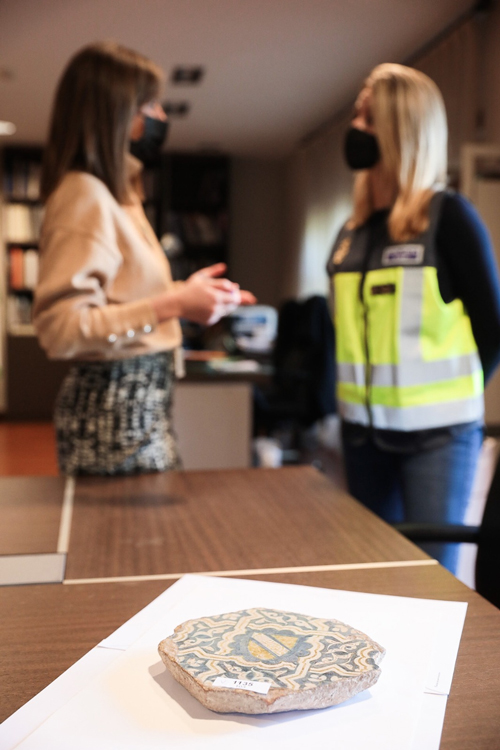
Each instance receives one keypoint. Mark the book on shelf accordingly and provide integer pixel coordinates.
(22, 181)
(16, 272)
(19, 310)
(22, 223)
(150, 212)
(33, 181)
(23, 268)
(149, 184)
(30, 268)
(198, 228)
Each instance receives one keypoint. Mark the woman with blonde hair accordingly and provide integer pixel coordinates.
(416, 308)
(105, 298)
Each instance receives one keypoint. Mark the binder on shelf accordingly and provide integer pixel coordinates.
(18, 181)
(36, 218)
(7, 184)
(33, 181)
(149, 184)
(30, 268)
(23, 223)
(150, 212)
(22, 181)
(200, 229)
(16, 268)
(19, 309)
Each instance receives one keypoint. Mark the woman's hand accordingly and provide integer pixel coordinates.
(204, 298)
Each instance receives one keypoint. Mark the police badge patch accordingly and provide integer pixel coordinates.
(342, 251)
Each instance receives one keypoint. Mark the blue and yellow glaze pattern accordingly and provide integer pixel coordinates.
(286, 649)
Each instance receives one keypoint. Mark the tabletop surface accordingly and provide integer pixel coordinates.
(186, 522)
(128, 539)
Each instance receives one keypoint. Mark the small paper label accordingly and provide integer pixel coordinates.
(403, 255)
(254, 687)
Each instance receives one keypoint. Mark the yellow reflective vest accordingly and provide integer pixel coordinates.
(406, 360)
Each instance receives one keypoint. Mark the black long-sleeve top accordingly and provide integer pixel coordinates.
(467, 269)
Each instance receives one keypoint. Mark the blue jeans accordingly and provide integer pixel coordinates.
(430, 486)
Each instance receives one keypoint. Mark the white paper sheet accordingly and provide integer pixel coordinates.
(135, 703)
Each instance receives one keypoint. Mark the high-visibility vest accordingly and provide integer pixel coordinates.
(406, 360)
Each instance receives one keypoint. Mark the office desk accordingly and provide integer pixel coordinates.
(212, 415)
(131, 538)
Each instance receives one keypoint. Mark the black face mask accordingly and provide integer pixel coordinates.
(147, 148)
(361, 150)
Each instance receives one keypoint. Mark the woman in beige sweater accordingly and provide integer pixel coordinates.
(105, 296)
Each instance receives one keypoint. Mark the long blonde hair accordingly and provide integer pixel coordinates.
(409, 118)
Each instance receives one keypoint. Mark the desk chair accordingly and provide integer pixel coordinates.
(486, 536)
(303, 385)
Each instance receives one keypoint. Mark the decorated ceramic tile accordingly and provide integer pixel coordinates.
(264, 660)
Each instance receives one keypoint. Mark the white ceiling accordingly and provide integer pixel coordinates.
(276, 69)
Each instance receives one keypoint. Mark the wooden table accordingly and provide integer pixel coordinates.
(132, 538)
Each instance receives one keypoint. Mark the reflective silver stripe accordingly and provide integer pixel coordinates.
(411, 373)
(417, 373)
(353, 412)
(347, 373)
(429, 416)
(415, 417)
(411, 314)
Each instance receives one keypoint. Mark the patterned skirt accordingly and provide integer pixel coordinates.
(114, 418)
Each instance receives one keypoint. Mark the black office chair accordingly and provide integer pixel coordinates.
(303, 385)
(486, 536)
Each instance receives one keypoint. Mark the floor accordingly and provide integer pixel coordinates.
(27, 449)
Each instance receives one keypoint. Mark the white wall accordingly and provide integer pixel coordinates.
(455, 66)
(490, 76)
(257, 227)
(319, 201)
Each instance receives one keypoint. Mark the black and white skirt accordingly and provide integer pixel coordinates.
(114, 418)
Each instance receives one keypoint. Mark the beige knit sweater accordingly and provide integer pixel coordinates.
(100, 262)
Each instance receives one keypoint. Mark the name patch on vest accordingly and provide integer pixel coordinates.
(384, 289)
(403, 255)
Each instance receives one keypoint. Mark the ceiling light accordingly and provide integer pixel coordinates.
(187, 75)
(176, 109)
(7, 128)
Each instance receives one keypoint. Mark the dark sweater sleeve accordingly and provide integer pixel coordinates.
(467, 269)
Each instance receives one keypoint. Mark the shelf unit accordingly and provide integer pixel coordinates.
(187, 202)
(29, 382)
(21, 221)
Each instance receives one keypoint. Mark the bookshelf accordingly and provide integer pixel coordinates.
(187, 203)
(21, 221)
(29, 382)
(193, 210)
